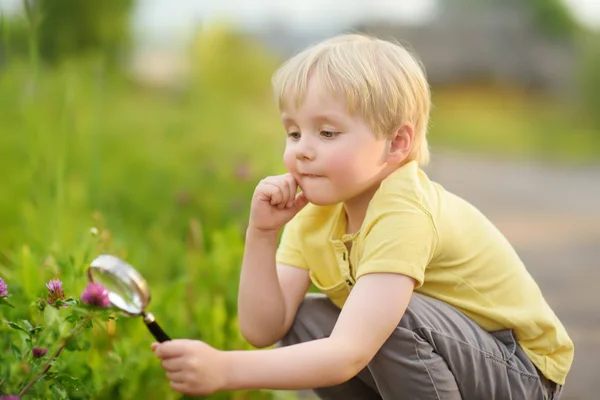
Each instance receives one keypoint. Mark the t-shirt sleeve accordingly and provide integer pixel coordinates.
(401, 239)
(289, 251)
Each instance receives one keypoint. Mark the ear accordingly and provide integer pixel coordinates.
(400, 144)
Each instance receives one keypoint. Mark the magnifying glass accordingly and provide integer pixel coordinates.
(127, 290)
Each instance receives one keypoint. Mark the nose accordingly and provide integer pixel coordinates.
(304, 149)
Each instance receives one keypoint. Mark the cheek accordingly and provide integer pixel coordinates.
(352, 164)
(289, 160)
(339, 164)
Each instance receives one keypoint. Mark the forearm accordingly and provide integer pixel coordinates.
(261, 305)
(318, 363)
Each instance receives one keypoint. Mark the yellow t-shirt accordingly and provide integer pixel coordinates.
(416, 228)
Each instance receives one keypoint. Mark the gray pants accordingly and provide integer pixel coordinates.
(436, 352)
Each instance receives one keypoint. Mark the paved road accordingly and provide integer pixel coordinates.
(552, 216)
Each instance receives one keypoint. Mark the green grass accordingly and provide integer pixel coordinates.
(507, 123)
(167, 179)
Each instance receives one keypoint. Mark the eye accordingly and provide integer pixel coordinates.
(294, 135)
(329, 134)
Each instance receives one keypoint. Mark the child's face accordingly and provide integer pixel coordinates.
(334, 156)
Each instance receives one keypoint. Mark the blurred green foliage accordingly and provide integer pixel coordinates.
(55, 29)
(230, 64)
(70, 27)
(590, 77)
(166, 177)
(513, 123)
(550, 17)
(554, 18)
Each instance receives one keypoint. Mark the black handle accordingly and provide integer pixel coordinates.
(157, 331)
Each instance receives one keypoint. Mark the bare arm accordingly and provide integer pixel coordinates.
(269, 294)
(370, 315)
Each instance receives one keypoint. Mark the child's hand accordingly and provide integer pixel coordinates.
(192, 367)
(275, 203)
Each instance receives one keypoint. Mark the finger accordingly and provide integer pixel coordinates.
(170, 349)
(293, 188)
(301, 201)
(154, 346)
(173, 364)
(176, 377)
(180, 387)
(285, 192)
(273, 192)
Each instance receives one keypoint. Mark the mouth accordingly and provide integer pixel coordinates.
(311, 176)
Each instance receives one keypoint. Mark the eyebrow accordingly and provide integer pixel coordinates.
(321, 118)
(287, 120)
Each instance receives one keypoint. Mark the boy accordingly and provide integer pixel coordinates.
(423, 298)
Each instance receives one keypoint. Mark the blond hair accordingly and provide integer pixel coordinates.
(380, 80)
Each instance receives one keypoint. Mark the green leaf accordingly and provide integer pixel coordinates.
(69, 381)
(15, 326)
(59, 304)
(4, 302)
(78, 344)
(59, 391)
(34, 331)
(27, 324)
(40, 304)
(50, 376)
(51, 316)
(73, 318)
(71, 301)
(16, 351)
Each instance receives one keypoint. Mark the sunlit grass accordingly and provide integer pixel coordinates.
(167, 178)
(510, 123)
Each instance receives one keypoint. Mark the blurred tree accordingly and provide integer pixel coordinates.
(551, 17)
(590, 77)
(554, 18)
(73, 27)
(13, 34)
(231, 63)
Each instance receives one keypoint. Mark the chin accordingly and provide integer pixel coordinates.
(322, 200)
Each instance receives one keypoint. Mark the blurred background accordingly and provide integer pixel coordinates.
(152, 121)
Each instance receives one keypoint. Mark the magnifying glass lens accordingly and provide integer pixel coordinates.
(127, 289)
(119, 294)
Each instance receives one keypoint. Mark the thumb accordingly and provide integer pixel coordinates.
(301, 201)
